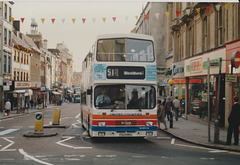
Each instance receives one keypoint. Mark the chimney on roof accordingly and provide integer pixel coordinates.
(45, 44)
(16, 25)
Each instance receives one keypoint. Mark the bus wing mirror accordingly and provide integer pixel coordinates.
(89, 92)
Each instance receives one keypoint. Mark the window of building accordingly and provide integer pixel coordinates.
(205, 33)
(10, 14)
(5, 11)
(27, 58)
(21, 76)
(15, 54)
(18, 57)
(5, 36)
(220, 26)
(24, 58)
(5, 64)
(21, 57)
(191, 41)
(9, 37)
(9, 64)
(18, 76)
(15, 78)
(26, 76)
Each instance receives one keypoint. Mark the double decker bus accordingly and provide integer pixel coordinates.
(118, 88)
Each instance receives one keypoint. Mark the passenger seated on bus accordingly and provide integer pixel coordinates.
(134, 102)
(103, 99)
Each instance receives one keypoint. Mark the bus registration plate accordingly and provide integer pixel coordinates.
(125, 134)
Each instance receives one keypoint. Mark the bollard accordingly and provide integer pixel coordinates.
(39, 123)
(171, 120)
(216, 132)
(56, 118)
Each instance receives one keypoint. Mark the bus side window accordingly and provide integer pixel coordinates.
(83, 98)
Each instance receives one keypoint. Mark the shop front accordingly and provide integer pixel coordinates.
(232, 53)
(179, 83)
(36, 88)
(196, 74)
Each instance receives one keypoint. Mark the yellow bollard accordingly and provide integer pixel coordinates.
(39, 122)
(56, 118)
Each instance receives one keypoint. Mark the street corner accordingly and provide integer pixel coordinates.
(36, 135)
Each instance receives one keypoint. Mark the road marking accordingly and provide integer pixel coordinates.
(173, 141)
(31, 126)
(136, 156)
(218, 151)
(17, 126)
(196, 147)
(9, 145)
(167, 138)
(85, 133)
(235, 153)
(7, 131)
(32, 158)
(77, 116)
(69, 146)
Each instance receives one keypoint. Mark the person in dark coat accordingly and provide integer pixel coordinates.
(234, 122)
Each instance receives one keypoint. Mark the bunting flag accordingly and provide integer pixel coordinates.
(28, 49)
(136, 17)
(114, 19)
(228, 5)
(63, 20)
(22, 19)
(198, 10)
(178, 12)
(208, 8)
(84, 19)
(167, 14)
(94, 20)
(157, 15)
(73, 20)
(43, 20)
(31, 50)
(104, 19)
(146, 16)
(53, 20)
(18, 46)
(12, 19)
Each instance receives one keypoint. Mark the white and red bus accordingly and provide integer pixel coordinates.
(118, 88)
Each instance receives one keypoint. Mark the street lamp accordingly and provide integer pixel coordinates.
(171, 82)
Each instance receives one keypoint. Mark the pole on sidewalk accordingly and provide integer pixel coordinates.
(216, 129)
(208, 80)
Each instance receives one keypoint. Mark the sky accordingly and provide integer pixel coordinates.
(79, 37)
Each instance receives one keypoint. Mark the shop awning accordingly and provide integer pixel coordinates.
(19, 91)
(56, 93)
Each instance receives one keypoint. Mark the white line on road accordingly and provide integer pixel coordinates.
(196, 147)
(218, 151)
(9, 145)
(77, 116)
(173, 141)
(69, 146)
(7, 131)
(167, 138)
(32, 158)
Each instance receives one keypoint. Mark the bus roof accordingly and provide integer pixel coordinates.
(125, 35)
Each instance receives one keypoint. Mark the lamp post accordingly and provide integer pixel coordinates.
(171, 82)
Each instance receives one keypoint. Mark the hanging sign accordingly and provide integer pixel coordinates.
(235, 59)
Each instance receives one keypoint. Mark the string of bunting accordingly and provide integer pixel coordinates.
(114, 19)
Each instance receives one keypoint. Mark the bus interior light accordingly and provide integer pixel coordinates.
(149, 124)
(101, 124)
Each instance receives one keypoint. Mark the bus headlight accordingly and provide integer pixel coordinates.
(101, 124)
(149, 124)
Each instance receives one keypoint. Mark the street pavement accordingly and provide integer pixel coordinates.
(191, 130)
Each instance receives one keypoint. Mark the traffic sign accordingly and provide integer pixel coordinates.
(231, 78)
(38, 116)
(214, 63)
(235, 59)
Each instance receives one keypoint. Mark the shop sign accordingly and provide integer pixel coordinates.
(19, 84)
(179, 81)
(176, 70)
(6, 88)
(7, 77)
(196, 65)
(231, 78)
(35, 84)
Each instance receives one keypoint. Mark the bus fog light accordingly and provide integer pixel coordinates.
(101, 133)
(149, 133)
(149, 124)
(101, 124)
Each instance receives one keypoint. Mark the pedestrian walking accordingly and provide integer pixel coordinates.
(168, 107)
(176, 106)
(161, 114)
(8, 107)
(39, 102)
(234, 122)
(31, 102)
(35, 103)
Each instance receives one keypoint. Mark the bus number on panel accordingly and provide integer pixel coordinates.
(112, 72)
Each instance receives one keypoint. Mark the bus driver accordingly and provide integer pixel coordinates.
(103, 99)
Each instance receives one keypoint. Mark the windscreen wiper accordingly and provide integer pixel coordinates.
(114, 107)
(140, 110)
